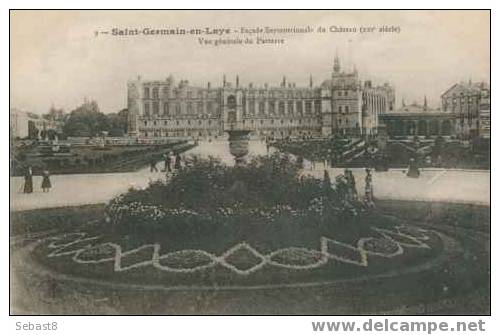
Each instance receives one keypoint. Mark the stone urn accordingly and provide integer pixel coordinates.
(238, 145)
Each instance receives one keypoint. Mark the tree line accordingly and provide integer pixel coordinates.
(87, 120)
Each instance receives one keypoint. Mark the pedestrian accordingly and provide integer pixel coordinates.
(152, 165)
(46, 184)
(177, 164)
(300, 162)
(369, 189)
(351, 183)
(413, 171)
(28, 180)
(168, 162)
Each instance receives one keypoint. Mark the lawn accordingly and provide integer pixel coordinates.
(444, 289)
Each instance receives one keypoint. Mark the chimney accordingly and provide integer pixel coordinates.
(237, 81)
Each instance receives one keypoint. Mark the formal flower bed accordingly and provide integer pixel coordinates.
(208, 194)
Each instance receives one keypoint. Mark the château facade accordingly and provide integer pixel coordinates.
(340, 105)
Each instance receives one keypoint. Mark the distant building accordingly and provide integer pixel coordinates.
(29, 125)
(470, 105)
(418, 120)
(341, 105)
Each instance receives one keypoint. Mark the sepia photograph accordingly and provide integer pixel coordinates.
(250, 162)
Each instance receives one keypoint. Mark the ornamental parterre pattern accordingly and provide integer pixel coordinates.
(242, 258)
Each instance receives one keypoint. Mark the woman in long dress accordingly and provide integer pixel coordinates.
(28, 181)
(46, 184)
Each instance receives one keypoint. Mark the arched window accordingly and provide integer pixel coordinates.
(446, 128)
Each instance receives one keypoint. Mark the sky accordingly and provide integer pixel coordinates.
(56, 58)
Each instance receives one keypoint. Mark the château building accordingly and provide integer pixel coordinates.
(469, 103)
(340, 105)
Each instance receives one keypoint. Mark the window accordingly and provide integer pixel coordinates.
(262, 107)
(156, 109)
(340, 109)
(346, 108)
(155, 93)
(177, 110)
(317, 106)
(281, 107)
(146, 109)
(200, 107)
(290, 107)
(345, 93)
(308, 107)
(146, 92)
(189, 108)
(271, 107)
(166, 110)
(252, 107)
(298, 107)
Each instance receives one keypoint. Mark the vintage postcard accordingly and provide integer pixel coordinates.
(319, 162)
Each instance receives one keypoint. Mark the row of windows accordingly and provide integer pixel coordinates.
(176, 109)
(282, 106)
(343, 109)
(177, 122)
(282, 121)
(346, 122)
(155, 94)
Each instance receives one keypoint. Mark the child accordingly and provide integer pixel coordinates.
(46, 185)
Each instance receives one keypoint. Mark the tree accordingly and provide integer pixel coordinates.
(86, 120)
(55, 114)
(118, 123)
